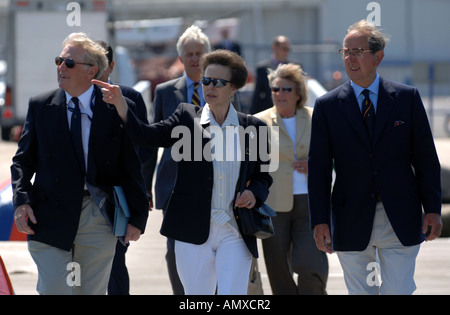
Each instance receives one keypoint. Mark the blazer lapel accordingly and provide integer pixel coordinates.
(57, 116)
(301, 126)
(386, 102)
(350, 108)
(245, 153)
(58, 107)
(180, 92)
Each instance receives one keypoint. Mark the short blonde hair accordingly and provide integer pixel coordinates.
(294, 73)
(94, 53)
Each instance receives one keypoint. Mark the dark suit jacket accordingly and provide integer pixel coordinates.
(262, 96)
(145, 154)
(168, 96)
(188, 212)
(233, 46)
(45, 149)
(401, 165)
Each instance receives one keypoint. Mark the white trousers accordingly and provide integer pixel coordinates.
(223, 262)
(395, 264)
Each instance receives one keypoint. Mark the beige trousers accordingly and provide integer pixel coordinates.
(84, 270)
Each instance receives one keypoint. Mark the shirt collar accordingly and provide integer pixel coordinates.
(85, 98)
(207, 117)
(374, 87)
(189, 81)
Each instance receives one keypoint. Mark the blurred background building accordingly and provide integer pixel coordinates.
(144, 33)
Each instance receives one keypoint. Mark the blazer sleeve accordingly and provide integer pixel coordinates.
(24, 162)
(425, 160)
(133, 183)
(158, 134)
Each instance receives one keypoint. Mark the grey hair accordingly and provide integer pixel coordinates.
(377, 39)
(195, 33)
(95, 54)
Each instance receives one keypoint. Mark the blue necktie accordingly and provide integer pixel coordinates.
(75, 131)
(368, 113)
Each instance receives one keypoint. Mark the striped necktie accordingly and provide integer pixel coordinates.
(195, 97)
(368, 113)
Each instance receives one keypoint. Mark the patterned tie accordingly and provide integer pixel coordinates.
(368, 113)
(75, 131)
(195, 98)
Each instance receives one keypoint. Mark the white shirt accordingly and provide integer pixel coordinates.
(85, 100)
(226, 159)
(373, 95)
(300, 181)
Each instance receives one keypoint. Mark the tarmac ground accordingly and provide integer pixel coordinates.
(148, 272)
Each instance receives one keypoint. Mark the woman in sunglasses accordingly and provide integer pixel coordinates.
(210, 250)
(292, 249)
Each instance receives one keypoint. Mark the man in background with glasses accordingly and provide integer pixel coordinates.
(374, 134)
(74, 144)
(262, 95)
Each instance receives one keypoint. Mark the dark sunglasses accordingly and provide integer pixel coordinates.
(218, 83)
(70, 63)
(277, 89)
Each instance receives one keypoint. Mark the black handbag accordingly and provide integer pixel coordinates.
(258, 220)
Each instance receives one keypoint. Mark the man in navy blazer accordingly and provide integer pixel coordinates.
(382, 182)
(68, 212)
(262, 95)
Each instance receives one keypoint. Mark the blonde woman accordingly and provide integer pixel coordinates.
(292, 249)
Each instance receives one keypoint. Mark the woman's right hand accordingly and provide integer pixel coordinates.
(245, 200)
(112, 94)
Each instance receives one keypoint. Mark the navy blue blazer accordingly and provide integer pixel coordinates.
(168, 96)
(401, 166)
(45, 149)
(188, 212)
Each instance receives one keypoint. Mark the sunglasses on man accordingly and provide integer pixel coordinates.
(70, 63)
(218, 83)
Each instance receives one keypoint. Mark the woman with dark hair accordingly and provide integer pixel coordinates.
(211, 252)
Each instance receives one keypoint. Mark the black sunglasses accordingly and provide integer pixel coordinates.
(70, 63)
(277, 89)
(218, 83)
